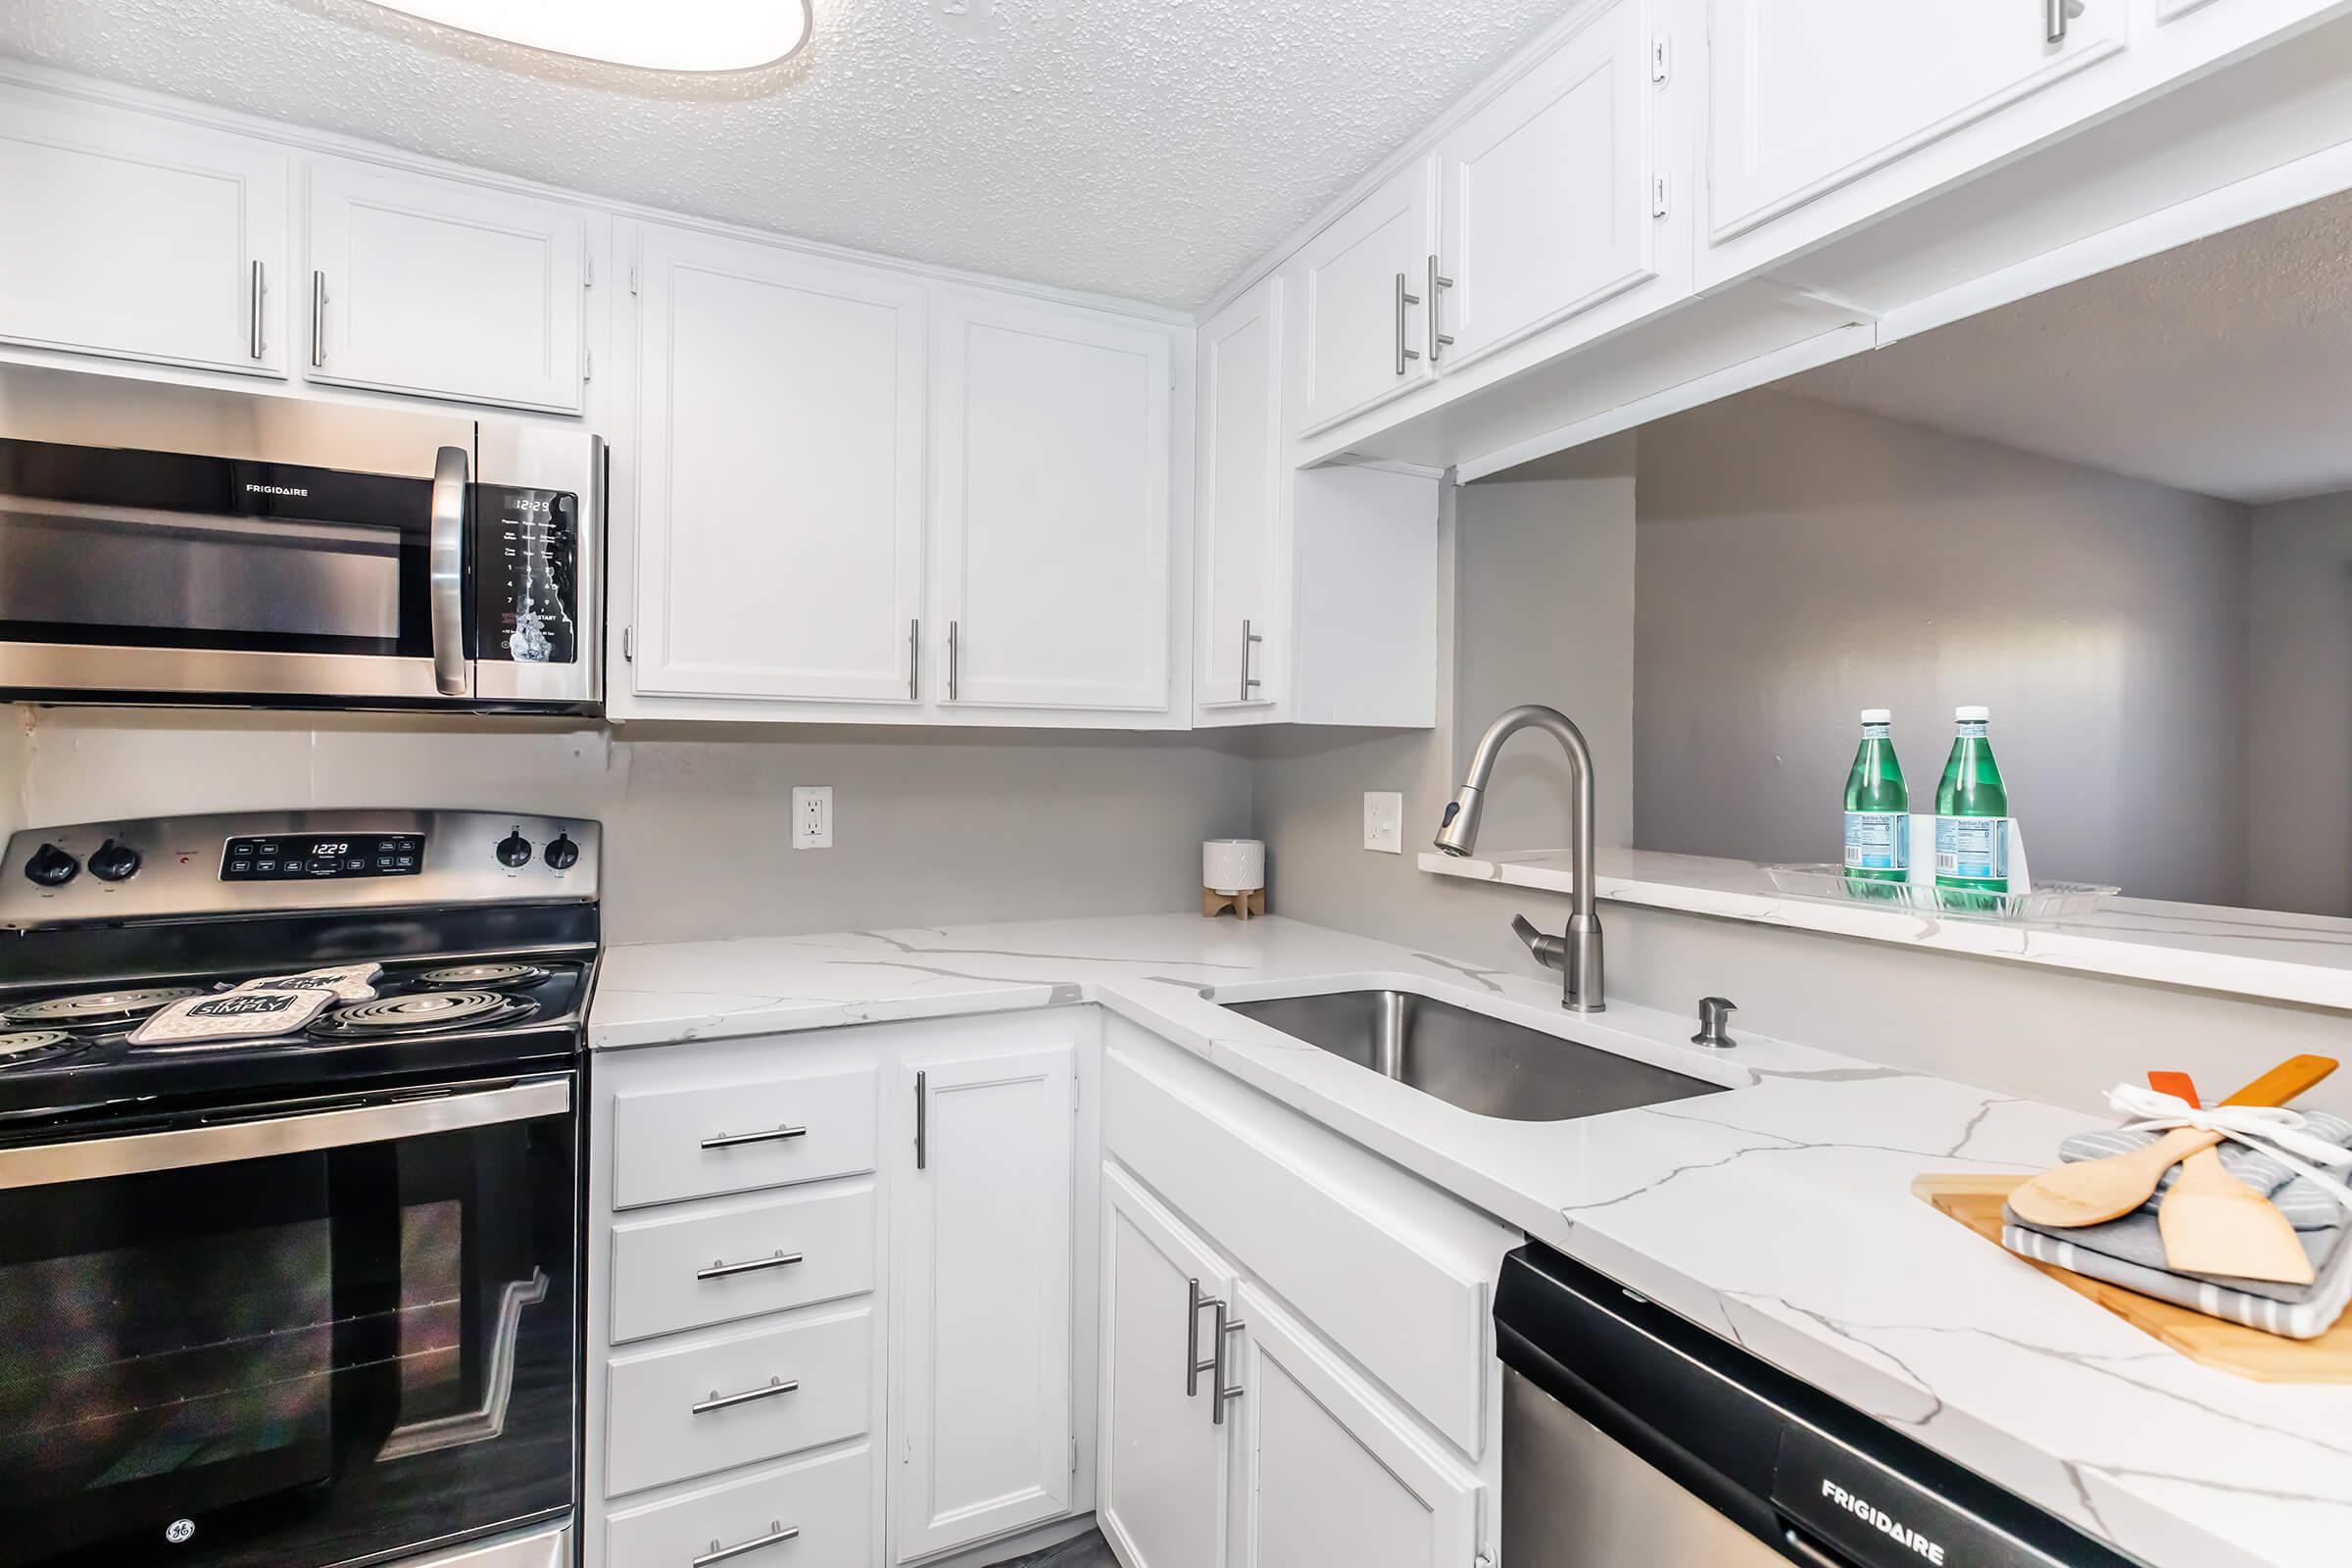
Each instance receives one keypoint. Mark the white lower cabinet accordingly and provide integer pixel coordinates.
(813, 1515)
(981, 1221)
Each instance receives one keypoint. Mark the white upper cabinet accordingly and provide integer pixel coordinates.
(1808, 95)
(1051, 466)
(1546, 192)
(982, 1213)
(780, 474)
(1361, 291)
(443, 289)
(141, 238)
(1238, 542)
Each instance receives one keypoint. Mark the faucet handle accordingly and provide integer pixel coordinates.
(1550, 951)
(1712, 1011)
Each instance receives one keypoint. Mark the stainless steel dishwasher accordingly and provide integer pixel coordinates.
(1634, 1438)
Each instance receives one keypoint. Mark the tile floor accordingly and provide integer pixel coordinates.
(1087, 1552)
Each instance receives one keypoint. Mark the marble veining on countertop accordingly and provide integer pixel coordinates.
(1778, 1215)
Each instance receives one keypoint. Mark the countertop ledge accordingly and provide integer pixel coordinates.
(1778, 1215)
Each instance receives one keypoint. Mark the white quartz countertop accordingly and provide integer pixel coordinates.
(1778, 1215)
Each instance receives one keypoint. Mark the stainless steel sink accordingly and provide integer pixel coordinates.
(1469, 1060)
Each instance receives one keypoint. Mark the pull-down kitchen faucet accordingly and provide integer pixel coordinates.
(1576, 956)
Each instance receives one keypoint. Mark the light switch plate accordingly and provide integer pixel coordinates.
(1384, 822)
(813, 816)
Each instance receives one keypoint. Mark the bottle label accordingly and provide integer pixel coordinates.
(1875, 731)
(1975, 848)
(1974, 729)
(1877, 841)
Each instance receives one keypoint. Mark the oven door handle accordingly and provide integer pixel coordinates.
(185, 1147)
(446, 572)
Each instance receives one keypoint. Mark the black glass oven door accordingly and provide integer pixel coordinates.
(176, 573)
(313, 1338)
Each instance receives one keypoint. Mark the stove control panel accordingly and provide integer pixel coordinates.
(302, 857)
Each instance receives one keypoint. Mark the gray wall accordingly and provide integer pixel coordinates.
(2299, 717)
(2055, 1037)
(1798, 561)
(930, 828)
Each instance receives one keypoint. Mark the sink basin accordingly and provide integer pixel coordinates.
(1469, 1060)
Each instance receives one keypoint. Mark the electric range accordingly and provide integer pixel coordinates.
(309, 1297)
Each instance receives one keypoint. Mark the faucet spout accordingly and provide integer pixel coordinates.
(1580, 953)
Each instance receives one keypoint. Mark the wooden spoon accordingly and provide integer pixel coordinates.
(2212, 1223)
(2091, 1192)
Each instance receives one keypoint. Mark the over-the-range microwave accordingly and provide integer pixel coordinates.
(162, 542)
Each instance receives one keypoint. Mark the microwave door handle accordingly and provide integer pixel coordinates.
(446, 572)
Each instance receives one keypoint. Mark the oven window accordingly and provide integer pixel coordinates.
(168, 550)
(310, 1358)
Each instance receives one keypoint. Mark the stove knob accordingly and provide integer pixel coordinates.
(115, 862)
(562, 854)
(51, 866)
(514, 850)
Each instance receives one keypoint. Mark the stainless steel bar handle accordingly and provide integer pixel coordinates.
(445, 571)
(185, 1148)
(2055, 20)
(722, 1271)
(259, 288)
(778, 1533)
(771, 1389)
(1438, 341)
(1194, 1366)
(914, 660)
(1249, 639)
(1403, 300)
(1218, 1391)
(318, 321)
(922, 1119)
(769, 1135)
(954, 657)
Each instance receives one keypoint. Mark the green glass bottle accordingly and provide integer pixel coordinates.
(1878, 813)
(1972, 819)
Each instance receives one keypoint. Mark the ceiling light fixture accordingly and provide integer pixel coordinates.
(653, 34)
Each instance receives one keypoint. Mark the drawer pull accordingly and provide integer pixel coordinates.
(769, 1135)
(721, 1271)
(778, 1533)
(727, 1401)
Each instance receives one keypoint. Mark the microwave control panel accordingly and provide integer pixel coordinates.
(527, 609)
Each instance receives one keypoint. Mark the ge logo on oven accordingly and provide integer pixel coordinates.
(179, 1532)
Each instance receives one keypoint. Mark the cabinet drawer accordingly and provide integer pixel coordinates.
(1414, 1320)
(678, 1272)
(653, 1432)
(828, 1502)
(734, 1138)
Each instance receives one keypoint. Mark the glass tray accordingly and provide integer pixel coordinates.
(2048, 902)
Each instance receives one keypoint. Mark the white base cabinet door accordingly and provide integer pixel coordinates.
(1329, 1471)
(1163, 1455)
(141, 239)
(983, 1205)
(1808, 95)
(780, 484)
(1053, 435)
(1361, 287)
(1546, 192)
(445, 290)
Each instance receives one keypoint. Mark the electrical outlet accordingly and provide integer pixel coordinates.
(813, 816)
(1384, 822)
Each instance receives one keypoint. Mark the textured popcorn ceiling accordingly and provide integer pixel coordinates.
(2223, 367)
(1142, 148)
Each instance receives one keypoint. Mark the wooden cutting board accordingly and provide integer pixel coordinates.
(1976, 1201)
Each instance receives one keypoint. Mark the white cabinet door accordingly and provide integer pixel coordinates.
(141, 239)
(1331, 1473)
(1238, 542)
(1362, 334)
(1162, 1458)
(780, 484)
(1806, 95)
(982, 1207)
(1547, 195)
(444, 289)
(1053, 470)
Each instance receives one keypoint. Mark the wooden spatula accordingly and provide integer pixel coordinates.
(2091, 1192)
(2212, 1223)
